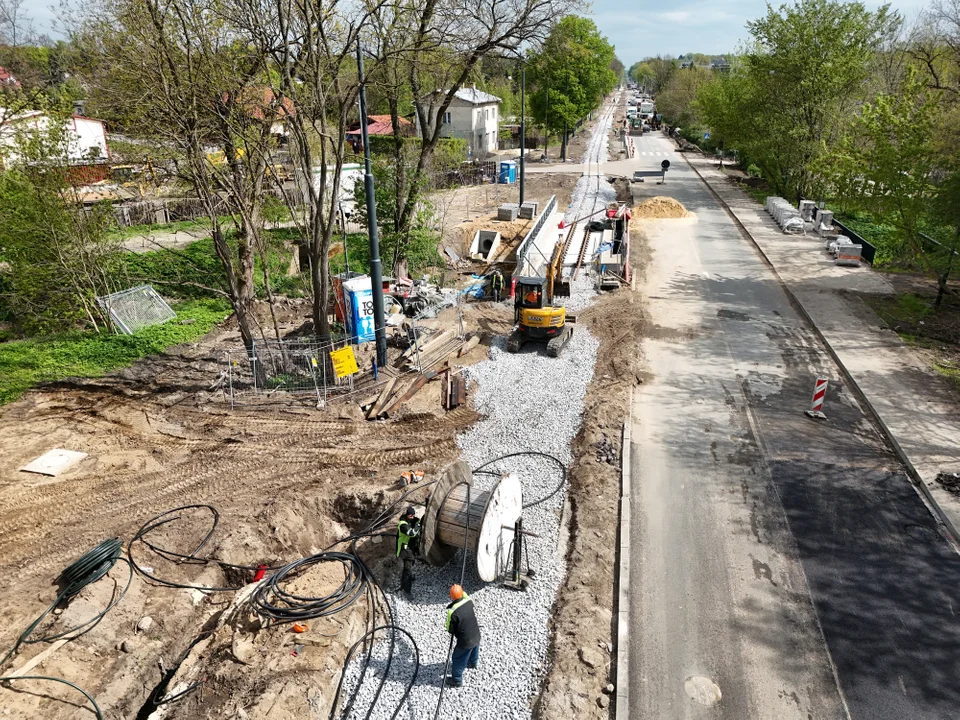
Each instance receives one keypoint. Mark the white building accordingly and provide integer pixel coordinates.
(86, 138)
(474, 116)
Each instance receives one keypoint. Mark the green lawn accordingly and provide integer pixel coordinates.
(25, 363)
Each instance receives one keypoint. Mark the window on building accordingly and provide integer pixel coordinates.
(446, 118)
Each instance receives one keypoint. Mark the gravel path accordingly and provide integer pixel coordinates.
(529, 402)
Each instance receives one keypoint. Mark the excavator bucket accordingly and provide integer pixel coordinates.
(561, 288)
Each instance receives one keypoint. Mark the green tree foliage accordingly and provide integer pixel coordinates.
(57, 256)
(677, 101)
(571, 74)
(790, 100)
(891, 149)
(654, 73)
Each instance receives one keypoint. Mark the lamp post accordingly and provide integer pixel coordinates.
(523, 124)
(376, 272)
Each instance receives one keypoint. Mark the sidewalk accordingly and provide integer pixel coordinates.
(916, 407)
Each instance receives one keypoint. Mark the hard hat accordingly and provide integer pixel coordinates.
(410, 511)
(456, 592)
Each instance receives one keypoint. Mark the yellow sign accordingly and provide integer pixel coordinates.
(344, 362)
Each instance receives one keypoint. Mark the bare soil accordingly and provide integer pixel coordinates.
(660, 208)
(287, 481)
(584, 621)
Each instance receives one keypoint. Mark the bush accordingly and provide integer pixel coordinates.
(754, 171)
(25, 363)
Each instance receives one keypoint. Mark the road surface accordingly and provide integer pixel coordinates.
(781, 568)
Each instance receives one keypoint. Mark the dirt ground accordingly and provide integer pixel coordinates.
(584, 622)
(287, 480)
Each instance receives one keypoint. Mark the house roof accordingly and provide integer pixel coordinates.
(476, 97)
(7, 78)
(261, 103)
(380, 125)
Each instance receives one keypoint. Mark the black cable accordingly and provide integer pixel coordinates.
(270, 600)
(86, 570)
(180, 558)
(529, 453)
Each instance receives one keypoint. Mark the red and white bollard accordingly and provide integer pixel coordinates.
(819, 394)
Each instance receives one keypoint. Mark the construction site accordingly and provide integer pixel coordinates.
(210, 537)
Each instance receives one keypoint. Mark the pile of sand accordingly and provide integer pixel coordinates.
(660, 208)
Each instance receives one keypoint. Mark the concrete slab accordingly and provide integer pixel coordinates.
(54, 462)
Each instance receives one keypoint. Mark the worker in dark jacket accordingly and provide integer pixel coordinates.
(462, 624)
(496, 284)
(408, 547)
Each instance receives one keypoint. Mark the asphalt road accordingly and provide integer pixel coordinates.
(781, 568)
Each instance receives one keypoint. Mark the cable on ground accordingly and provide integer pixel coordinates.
(86, 570)
(529, 453)
(179, 558)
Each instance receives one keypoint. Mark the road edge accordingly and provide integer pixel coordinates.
(623, 574)
(952, 534)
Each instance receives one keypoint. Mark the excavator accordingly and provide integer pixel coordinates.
(536, 317)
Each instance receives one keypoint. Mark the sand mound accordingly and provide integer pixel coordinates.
(660, 208)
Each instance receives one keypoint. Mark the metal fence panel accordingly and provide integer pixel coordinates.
(134, 309)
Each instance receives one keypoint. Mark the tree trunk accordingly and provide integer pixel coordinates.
(944, 277)
(563, 148)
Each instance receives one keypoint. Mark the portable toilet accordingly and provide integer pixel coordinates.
(508, 172)
(358, 294)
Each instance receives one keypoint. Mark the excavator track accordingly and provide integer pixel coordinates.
(555, 345)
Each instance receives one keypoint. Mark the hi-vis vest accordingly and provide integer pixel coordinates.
(403, 539)
(452, 610)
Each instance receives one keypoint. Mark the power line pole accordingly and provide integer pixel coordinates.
(523, 124)
(376, 271)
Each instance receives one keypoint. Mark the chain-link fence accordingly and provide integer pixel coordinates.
(134, 309)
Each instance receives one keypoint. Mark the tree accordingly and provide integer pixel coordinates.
(16, 26)
(677, 101)
(178, 69)
(891, 144)
(653, 73)
(797, 86)
(946, 210)
(433, 47)
(571, 74)
(59, 255)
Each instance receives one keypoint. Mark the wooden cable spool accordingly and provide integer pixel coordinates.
(456, 511)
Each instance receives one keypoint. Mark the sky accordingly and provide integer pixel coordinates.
(638, 28)
(643, 28)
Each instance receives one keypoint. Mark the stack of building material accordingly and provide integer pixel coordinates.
(508, 212)
(528, 211)
(786, 215)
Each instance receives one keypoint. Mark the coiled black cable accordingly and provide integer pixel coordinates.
(86, 570)
(270, 600)
(190, 558)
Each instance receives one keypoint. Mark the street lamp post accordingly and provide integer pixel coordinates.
(376, 271)
(523, 125)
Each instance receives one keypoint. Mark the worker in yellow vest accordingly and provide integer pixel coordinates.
(462, 624)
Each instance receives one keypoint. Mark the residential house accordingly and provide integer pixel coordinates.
(86, 138)
(376, 125)
(473, 116)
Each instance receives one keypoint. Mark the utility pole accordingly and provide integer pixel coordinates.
(523, 124)
(376, 271)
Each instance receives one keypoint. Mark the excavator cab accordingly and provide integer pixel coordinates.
(536, 318)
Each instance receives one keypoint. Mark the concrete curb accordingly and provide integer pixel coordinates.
(623, 596)
(952, 534)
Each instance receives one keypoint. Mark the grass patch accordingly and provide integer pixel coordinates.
(25, 363)
(122, 233)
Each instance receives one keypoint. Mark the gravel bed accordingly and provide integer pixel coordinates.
(515, 626)
(528, 401)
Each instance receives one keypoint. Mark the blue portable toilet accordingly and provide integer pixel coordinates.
(358, 294)
(508, 172)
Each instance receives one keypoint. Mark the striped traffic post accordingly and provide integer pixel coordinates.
(819, 394)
